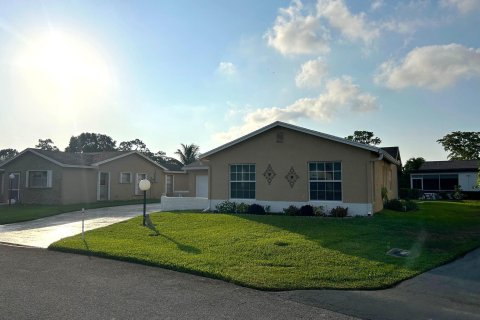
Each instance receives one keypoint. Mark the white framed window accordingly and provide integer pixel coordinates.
(242, 181)
(139, 177)
(38, 179)
(325, 178)
(125, 177)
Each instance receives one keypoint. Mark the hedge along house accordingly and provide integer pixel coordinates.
(282, 164)
(49, 177)
(443, 176)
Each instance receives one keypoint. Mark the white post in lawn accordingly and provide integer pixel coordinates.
(144, 185)
(83, 224)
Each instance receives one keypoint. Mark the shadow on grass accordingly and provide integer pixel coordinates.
(180, 246)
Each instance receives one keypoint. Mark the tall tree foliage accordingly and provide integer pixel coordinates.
(413, 164)
(91, 142)
(188, 153)
(365, 137)
(133, 145)
(46, 144)
(461, 145)
(6, 154)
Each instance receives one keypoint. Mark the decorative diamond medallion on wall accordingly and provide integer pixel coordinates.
(292, 177)
(269, 174)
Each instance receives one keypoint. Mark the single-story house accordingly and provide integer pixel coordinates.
(54, 177)
(443, 176)
(283, 164)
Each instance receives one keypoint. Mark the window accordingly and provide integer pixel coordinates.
(125, 177)
(242, 181)
(140, 176)
(435, 182)
(325, 180)
(39, 179)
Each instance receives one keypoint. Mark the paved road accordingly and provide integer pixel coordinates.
(42, 232)
(448, 292)
(43, 284)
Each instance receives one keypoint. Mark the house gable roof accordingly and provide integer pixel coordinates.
(303, 130)
(449, 166)
(81, 160)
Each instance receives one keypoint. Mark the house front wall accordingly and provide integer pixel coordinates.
(29, 161)
(385, 176)
(295, 151)
(134, 164)
(79, 185)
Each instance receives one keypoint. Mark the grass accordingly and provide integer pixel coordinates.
(27, 212)
(283, 252)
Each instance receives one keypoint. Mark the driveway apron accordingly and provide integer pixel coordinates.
(42, 232)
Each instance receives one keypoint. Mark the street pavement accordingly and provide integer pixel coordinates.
(42, 232)
(43, 284)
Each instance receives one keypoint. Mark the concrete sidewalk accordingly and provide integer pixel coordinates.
(42, 232)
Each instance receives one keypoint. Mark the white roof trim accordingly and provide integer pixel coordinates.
(304, 130)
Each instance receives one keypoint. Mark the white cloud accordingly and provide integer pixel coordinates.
(297, 33)
(311, 74)
(341, 95)
(227, 69)
(353, 27)
(432, 67)
(463, 6)
(376, 4)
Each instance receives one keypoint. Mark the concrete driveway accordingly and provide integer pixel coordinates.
(42, 232)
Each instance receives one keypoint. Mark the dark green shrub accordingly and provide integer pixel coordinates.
(226, 207)
(306, 210)
(409, 194)
(339, 212)
(256, 209)
(319, 211)
(242, 207)
(411, 205)
(394, 204)
(457, 193)
(291, 211)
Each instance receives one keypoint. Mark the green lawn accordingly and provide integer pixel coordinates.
(282, 252)
(27, 212)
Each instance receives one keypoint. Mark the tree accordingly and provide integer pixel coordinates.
(133, 145)
(413, 164)
(365, 137)
(46, 144)
(461, 145)
(188, 154)
(6, 154)
(90, 142)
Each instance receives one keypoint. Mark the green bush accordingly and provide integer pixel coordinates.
(457, 193)
(319, 211)
(306, 210)
(411, 205)
(226, 207)
(256, 209)
(339, 212)
(291, 211)
(241, 208)
(394, 204)
(409, 194)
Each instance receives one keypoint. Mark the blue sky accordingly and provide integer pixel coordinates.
(205, 72)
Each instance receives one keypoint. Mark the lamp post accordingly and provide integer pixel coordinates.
(144, 185)
(11, 177)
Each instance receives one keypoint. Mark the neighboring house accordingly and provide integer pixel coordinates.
(282, 164)
(443, 176)
(49, 177)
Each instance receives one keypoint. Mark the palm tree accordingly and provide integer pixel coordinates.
(188, 154)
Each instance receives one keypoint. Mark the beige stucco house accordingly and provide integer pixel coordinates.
(282, 164)
(49, 177)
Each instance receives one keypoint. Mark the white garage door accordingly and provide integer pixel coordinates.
(201, 189)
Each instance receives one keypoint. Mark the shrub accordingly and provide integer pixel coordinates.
(291, 211)
(306, 210)
(256, 209)
(394, 204)
(226, 207)
(319, 211)
(411, 205)
(242, 208)
(457, 193)
(267, 209)
(406, 193)
(384, 194)
(339, 212)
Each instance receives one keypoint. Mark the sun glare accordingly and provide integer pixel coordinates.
(61, 72)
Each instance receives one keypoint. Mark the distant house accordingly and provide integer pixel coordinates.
(49, 177)
(282, 164)
(443, 176)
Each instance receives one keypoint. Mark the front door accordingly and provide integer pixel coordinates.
(201, 186)
(14, 187)
(104, 186)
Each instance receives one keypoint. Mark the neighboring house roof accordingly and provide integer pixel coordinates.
(197, 165)
(303, 130)
(394, 152)
(80, 160)
(174, 167)
(449, 166)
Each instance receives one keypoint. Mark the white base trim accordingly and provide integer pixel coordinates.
(183, 203)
